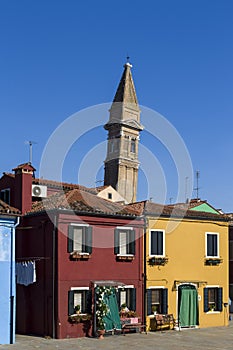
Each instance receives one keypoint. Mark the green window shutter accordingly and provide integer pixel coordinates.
(89, 301)
(70, 240)
(70, 302)
(88, 240)
(149, 301)
(206, 304)
(132, 305)
(118, 298)
(219, 301)
(164, 301)
(132, 242)
(116, 241)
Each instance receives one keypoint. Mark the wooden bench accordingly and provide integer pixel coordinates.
(133, 326)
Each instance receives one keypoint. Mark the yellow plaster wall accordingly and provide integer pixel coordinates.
(185, 250)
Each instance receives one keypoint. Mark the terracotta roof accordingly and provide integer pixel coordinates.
(7, 209)
(81, 201)
(155, 209)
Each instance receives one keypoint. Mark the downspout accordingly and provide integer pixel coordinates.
(145, 270)
(12, 277)
(54, 276)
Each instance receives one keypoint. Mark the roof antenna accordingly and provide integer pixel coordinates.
(186, 190)
(30, 143)
(197, 182)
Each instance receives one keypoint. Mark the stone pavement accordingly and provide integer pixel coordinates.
(217, 338)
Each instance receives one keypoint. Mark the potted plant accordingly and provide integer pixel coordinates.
(77, 309)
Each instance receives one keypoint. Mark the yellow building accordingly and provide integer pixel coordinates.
(186, 266)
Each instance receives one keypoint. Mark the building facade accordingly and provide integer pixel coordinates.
(9, 219)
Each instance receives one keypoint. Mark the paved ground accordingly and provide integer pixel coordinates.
(219, 338)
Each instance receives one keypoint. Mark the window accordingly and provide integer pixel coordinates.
(157, 243)
(109, 195)
(80, 238)
(212, 244)
(5, 195)
(133, 146)
(127, 296)
(157, 301)
(212, 299)
(81, 298)
(124, 241)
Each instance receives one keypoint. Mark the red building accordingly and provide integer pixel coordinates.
(77, 241)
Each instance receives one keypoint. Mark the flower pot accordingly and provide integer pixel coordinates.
(101, 333)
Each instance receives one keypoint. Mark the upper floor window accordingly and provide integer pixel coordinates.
(5, 195)
(157, 243)
(79, 300)
(212, 244)
(124, 241)
(80, 238)
(212, 299)
(157, 300)
(133, 146)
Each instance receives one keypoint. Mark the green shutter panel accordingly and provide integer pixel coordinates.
(70, 241)
(149, 301)
(70, 302)
(219, 302)
(132, 305)
(88, 301)
(88, 241)
(116, 241)
(206, 304)
(132, 242)
(164, 301)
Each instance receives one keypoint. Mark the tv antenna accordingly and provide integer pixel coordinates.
(30, 143)
(197, 188)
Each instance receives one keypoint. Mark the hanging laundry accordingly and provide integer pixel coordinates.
(26, 272)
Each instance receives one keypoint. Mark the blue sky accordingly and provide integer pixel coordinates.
(58, 57)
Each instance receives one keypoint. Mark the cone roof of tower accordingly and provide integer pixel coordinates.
(126, 91)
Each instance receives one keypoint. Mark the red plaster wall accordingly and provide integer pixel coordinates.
(101, 266)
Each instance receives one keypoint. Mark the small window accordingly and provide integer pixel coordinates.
(157, 301)
(157, 244)
(79, 239)
(5, 195)
(212, 244)
(212, 299)
(133, 146)
(124, 241)
(79, 300)
(127, 298)
(109, 195)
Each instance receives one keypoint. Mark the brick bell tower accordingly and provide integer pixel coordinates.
(121, 163)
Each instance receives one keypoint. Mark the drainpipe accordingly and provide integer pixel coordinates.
(54, 276)
(12, 277)
(145, 269)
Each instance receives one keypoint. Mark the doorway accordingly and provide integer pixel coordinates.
(188, 315)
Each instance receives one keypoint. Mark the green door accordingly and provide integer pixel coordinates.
(112, 319)
(188, 306)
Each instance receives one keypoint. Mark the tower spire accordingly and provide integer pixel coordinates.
(121, 164)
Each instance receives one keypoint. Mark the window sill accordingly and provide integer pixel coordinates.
(79, 318)
(212, 312)
(157, 260)
(80, 256)
(126, 257)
